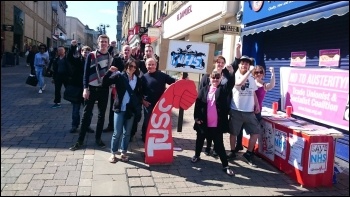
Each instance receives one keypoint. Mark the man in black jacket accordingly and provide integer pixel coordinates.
(77, 62)
(60, 74)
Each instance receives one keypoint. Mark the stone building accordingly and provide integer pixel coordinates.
(75, 30)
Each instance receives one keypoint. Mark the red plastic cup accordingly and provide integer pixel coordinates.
(274, 107)
(289, 111)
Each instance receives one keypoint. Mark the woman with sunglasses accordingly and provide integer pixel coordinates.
(205, 81)
(259, 74)
(125, 105)
(211, 117)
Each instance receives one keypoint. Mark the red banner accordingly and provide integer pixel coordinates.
(159, 141)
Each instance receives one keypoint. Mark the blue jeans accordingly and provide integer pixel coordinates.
(76, 114)
(121, 126)
(39, 75)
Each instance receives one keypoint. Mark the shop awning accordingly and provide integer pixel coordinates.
(338, 8)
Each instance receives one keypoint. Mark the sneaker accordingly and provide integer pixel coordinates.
(215, 154)
(76, 146)
(89, 130)
(231, 155)
(43, 88)
(100, 144)
(73, 130)
(107, 129)
(195, 159)
(56, 105)
(248, 158)
(40, 91)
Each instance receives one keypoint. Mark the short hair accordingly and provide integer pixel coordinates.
(42, 45)
(86, 48)
(151, 58)
(148, 45)
(220, 57)
(102, 36)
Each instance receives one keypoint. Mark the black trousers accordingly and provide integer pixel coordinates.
(60, 80)
(217, 136)
(99, 94)
(147, 112)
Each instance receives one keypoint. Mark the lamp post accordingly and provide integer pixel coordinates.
(102, 28)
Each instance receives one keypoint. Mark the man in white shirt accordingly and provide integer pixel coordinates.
(244, 105)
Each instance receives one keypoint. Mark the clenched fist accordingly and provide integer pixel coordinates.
(184, 93)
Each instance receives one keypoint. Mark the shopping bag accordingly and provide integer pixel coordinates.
(73, 94)
(32, 80)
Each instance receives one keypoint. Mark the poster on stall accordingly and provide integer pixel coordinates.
(280, 143)
(319, 94)
(329, 57)
(318, 157)
(184, 56)
(266, 147)
(298, 59)
(296, 151)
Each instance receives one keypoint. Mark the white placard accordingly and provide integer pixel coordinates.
(268, 136)
(296, 145)
(189, 57)
(318, 157)
(280, 143)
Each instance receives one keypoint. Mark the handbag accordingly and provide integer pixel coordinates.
(32, 80)
(73, 94)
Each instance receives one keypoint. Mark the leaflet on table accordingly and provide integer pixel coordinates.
(297, 145)
(318, 157)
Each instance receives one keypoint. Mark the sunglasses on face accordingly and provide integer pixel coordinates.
(132, 66)
(259, 72)
(216, 77)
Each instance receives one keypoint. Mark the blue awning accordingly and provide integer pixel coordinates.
(339, 8)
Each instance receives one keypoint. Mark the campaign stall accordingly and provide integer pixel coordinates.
(303, 150)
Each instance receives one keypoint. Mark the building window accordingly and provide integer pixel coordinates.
(154, 13)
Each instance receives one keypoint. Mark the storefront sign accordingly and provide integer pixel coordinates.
(192, 14)
(329, 57)
(298, 59)
(159, 143)
(153, 32)
(319, 94)
(184, 12)
(257, 10)
(318, 157)
(230, 29)
(7, 27)
(189, 57)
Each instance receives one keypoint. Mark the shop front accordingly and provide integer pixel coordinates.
(198, 22)
(273, 30)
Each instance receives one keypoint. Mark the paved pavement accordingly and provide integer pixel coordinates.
(35, 159)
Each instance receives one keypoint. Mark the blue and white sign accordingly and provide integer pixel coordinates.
(258, 10)
(189, 57)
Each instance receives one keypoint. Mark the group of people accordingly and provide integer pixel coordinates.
(134, 85)
(230, 99)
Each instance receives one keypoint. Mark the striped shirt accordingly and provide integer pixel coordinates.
(102, 61)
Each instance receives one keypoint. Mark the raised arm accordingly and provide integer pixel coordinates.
(269, 86)
(242, 81)
(238, 51)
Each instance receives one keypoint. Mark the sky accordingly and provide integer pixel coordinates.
(95, 13)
